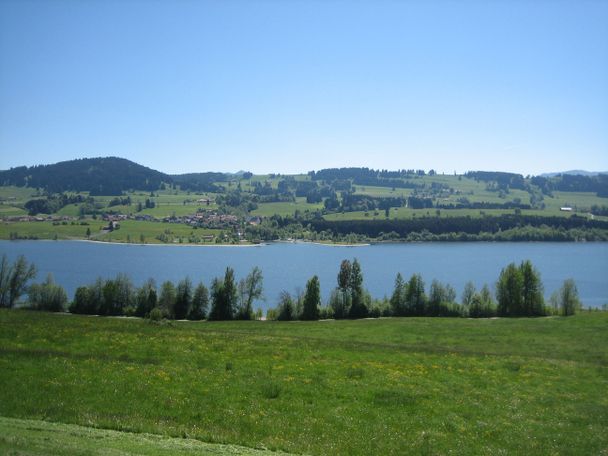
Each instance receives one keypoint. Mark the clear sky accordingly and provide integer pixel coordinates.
(290, 86)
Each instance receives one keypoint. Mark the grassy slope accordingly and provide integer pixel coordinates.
(174, 202)
(389, 386)
(129, 229)
(43, 438)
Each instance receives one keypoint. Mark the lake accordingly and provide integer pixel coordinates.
(287, 266)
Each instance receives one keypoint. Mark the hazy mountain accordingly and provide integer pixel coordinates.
(575, 172)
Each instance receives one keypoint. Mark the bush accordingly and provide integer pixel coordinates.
(47, 296)
(156, 314)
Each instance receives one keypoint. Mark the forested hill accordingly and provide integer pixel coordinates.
(99, 176)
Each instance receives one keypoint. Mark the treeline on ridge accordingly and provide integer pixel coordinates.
(99, 176)
(439, 225)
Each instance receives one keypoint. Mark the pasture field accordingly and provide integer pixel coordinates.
(269, 209)
(407, 213)
(386, 386)
(129, 231)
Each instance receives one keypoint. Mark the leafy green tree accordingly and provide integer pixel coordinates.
(569, 302)
(217, 300)
(312, 299)
(415, 299)
(340, 303)
(487, 299)
(230, 293)
(358, 307)
(398, 305)
(13, 280)
(81, 301)
(532, 290)
(166, 301)
(476, 307)
(117, 295)
(344, 276)
(146, 298)
(482, 304)
(224, 297)
(467, 295)
(340, 300)
(286, 308)
(126, 293)
(520, 291)
(250, 289)
(88, 300)
(200, 303)
(509, 291)
(436, 299)
(183, 299)
(47, 296)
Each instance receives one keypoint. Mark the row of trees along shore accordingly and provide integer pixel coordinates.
(519, 293)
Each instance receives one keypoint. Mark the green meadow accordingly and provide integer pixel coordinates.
(130, 231)
(386, 386)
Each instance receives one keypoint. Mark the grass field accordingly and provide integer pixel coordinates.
(269, 209)
(388, 386)
(130, 231)
(406, 213)
(36, 437)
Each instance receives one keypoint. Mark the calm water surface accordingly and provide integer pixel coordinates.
(288, 266)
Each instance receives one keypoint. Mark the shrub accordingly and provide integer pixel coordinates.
(156, 314)
(47, 296)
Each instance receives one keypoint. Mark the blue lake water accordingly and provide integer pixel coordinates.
(287, 266)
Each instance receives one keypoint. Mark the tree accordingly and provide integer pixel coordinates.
(200, 303)
(398, 297)
(223, 297)
(520, 291)
(286, 308)
(117, 295)
(415, 299)
(467, 294)
(436, 299)
(532, 290)
(183, 299)
(146, 299)
(250, 289)
(5, 273)
(47, 296)
(358, 307)
(217, 300)
(88, 300)
(569, 302)
(81, 301)
(166, 301)
(482, 304)
(487, 300)
(13, 280)
(509, 291)
(312, 299)
(344, 275)
(340, 300)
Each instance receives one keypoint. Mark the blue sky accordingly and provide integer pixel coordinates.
(290, 86)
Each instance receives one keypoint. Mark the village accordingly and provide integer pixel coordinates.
(209, 219)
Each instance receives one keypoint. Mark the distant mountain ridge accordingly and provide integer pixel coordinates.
(575, 172)
(114, 175)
